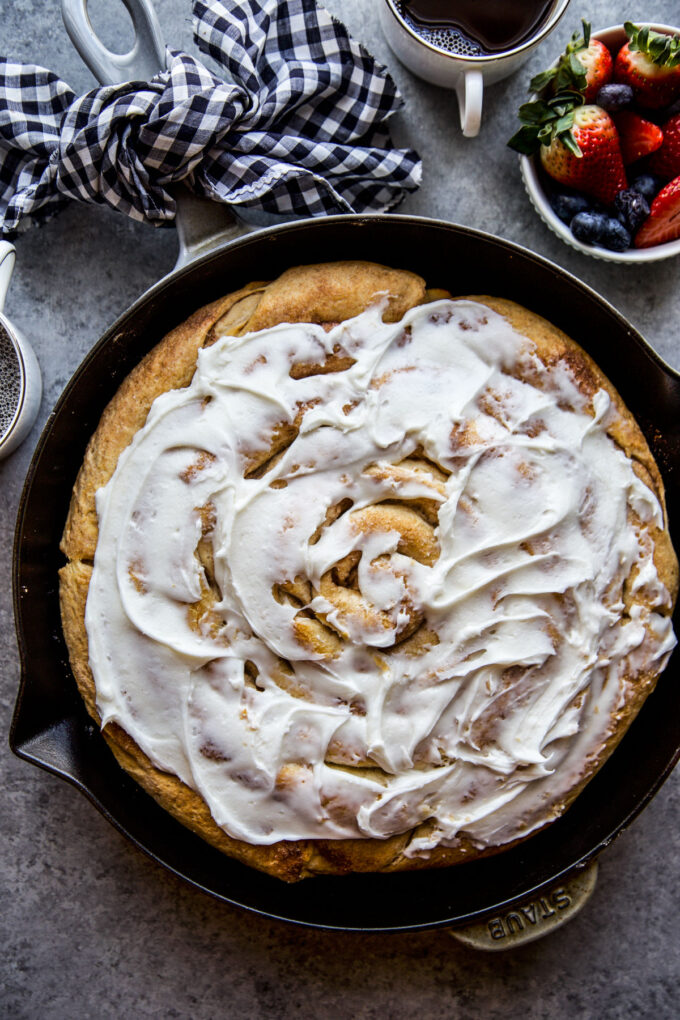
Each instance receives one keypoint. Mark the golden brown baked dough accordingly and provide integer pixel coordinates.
(324, 294)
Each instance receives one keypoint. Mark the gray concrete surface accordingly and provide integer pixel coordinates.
(89, 927)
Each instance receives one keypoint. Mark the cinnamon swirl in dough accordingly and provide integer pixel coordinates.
(362, 577)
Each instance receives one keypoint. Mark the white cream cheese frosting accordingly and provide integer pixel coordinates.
(447, 495)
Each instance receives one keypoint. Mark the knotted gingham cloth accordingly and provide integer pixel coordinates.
(299, 127)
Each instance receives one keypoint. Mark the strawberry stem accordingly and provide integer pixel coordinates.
(662, 50)
(560, 89)
(546, 119)
(569, 72)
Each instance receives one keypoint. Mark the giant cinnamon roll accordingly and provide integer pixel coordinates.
(362, 577)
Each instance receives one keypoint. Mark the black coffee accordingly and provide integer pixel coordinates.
(475, 27)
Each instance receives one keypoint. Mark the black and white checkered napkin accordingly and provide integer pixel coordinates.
(299, 129)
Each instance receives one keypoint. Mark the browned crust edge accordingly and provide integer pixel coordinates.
(323, 293)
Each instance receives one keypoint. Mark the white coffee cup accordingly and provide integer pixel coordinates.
(20, 379)
(462, 72)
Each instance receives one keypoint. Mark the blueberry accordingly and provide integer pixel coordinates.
(614, 97)
(671, 110)
(615, 236)
(598, 228)
(588, 227)
(647, 185)
(567, 205)
(631, 209)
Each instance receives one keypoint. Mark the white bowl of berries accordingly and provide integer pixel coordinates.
(600, 143)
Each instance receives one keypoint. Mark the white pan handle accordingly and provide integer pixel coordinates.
(201, 224)
(143, 61)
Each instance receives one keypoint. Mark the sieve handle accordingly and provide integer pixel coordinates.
(7, 257)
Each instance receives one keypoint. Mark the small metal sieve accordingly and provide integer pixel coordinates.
(20, 381)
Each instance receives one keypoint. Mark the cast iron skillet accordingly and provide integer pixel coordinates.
(51, 727)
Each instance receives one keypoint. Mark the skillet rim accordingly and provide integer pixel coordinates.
(25, 750)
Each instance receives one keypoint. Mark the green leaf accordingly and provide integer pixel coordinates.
(552, 113)
(575, 43)
(566, 100)
(564, 123)
(569, 73)
(535, 113)
(539, 81)
(661, 49)
(547, 131)
(577, 69)
(525, 141)
(570, 143)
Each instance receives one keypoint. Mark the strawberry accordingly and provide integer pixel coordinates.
(638, 137)
(598, 64)
(663, 222)
(598, 168)
(666, 161)
(650, 63)
(579, 145)
(585, 66)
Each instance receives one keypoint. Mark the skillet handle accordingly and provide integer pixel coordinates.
(201, 224)
(143, 61)
(534, 918)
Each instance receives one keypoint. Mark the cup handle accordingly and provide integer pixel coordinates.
(6, 267)
(470, 92)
